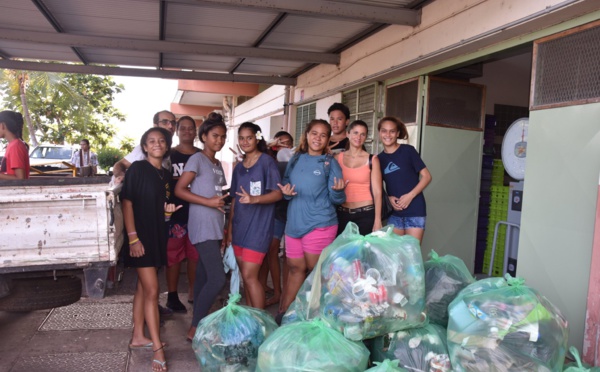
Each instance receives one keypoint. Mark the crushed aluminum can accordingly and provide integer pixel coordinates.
(357, 270)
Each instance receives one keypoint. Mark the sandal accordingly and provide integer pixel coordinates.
(161, 363)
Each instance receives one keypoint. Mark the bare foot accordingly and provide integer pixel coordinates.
(191, 333)
(273, 300)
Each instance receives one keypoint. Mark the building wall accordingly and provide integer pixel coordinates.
(449, 29)
(559, 208)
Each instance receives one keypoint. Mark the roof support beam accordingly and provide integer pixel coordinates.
(338, 9)
(140, 72)
(73, 40)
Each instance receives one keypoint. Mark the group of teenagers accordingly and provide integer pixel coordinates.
(174, 204)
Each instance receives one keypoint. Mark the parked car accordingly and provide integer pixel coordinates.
(50, 156)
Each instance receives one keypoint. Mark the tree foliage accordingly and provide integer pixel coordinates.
(108, 156)
(63, 107)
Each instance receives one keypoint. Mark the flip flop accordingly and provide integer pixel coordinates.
(163, 365)
(147, 346)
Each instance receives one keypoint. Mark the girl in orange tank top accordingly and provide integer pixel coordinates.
(354, 161)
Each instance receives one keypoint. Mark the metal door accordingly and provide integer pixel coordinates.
(447, 131)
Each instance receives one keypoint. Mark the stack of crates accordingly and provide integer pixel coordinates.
(487, 166)
(498, 212)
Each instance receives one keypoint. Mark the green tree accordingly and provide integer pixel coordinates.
(127, 144)
(62, 107)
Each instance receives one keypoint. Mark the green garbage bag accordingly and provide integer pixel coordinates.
(298, 310)
(444, 277)
(366, 286)
(311, 346)
(579, 366)
(499, 324)
(386, 366)
(418, 349)
(228, 339)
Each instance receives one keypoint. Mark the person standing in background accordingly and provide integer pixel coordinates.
(281, 150)
(180, 247)
(339, 117)
(15, 163)
(84, 159)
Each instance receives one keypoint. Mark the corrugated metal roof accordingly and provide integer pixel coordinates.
(224, 36)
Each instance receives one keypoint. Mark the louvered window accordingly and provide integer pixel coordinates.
(304, 114)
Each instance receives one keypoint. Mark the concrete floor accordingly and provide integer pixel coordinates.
(93, 335)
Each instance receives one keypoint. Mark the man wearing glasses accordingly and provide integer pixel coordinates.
(164, 119)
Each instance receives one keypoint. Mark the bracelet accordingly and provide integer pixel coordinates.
(134, 241)
(132, 233)
(168, 213)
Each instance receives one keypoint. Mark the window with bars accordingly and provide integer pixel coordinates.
(304, 114)
(361, 103)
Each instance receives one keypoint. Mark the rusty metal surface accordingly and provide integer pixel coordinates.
(59, 224)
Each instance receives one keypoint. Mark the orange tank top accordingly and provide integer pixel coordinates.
(359, 185)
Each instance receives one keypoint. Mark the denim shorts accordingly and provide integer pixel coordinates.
(278, 229)
(404, 223)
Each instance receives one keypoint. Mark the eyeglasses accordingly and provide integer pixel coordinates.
(166, 121)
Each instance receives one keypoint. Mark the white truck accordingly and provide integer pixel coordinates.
(52, 229)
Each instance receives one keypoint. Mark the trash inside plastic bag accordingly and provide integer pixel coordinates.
(499, 324)
(230, 263)
(368, 285)
(418, 349)
(386, 366)
(444, 277)
(311, 346)
(228, 339)
(578, 366)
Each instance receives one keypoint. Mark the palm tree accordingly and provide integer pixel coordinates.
(25, 88)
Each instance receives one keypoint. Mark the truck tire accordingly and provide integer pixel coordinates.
(42, 293)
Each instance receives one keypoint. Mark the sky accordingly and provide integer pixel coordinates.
(140, 100)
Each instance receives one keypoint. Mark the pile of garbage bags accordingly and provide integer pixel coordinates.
(365, 286)
(431, 317)
(578, 366)
(228, 339)
(418, 349)
(311, 346)
(500, 324)
(444, 277)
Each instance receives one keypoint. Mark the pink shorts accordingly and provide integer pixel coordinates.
(314, 242)
(180, 248)
(248, 255)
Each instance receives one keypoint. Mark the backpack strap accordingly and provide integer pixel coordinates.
(327, 165)
(291, 165)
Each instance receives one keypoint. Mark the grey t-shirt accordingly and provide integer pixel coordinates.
(205, 223)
